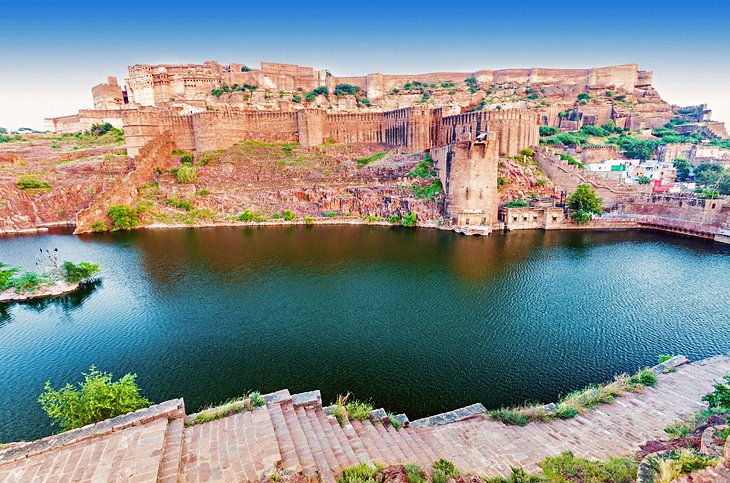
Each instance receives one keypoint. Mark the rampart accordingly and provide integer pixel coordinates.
(415, 128)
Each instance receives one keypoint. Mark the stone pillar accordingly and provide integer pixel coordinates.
(471, 200)
(311, 127)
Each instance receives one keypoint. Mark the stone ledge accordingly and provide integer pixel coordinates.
(378, 415)
(277, 397)
(450, 417)
(307, 399)
(672, 363)
(174, 408)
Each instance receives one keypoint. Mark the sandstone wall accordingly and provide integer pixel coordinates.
(64, 124)
(222, 129)
(515, 129)
(124, 191)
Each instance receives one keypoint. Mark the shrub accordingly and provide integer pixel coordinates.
(516, 204)
(501, 181)
(644, 377)
(720, 397)
(75, 273)
(394, 421)
(415, 473)
(370, 159)
(409, 219)
(362, 473)
(30, 181)
(394, 219)
(288, 215)
(247, 216)
(358, 410)
(447, 467)
(643, 179)
(29, 281)
(204, 192)
(548, 131)
(431, 191)
(97, 398)
(593, 131)
(567, 467)
(308, 220)
(678, 430)
(124, 217)
(187, 174)
(346, 89)
(6, 276)
(99, 225)
(245, 68)
(509, 416)
(330, 214)
(424, 169)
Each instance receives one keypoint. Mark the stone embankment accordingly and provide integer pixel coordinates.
(295, 433)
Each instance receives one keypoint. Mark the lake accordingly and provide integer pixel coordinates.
(415, 320)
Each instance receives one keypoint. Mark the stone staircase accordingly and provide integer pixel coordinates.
(295, 433)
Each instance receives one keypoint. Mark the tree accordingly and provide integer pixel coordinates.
(75, 273)
(124, 217)
(708, 173)
(6, 276)
(683, 167)
(95, 399)
(585, 203)
(643, 180)
(720, 397)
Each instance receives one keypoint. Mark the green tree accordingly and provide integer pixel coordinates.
(683, 168)
(643, 179)
(708, 173)
(95, 399)
(720, 397)
(585, 203)
(124, 217)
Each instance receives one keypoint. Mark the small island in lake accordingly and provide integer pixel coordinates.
(52, 281)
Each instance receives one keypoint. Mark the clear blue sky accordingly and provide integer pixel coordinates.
(53, 52)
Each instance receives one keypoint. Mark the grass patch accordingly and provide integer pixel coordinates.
(424, 169)
(394, 421)
(415, 473)
(566, 467)
(248, 403)
(579, 401)
(673, 464)
(31, 182)
(362, 473)
(370, 159)
(434, 190)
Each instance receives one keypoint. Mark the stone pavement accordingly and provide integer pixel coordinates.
(294, 433)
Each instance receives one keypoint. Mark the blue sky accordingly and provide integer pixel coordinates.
(53, 52)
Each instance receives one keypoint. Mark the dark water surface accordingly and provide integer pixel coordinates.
(420, 321)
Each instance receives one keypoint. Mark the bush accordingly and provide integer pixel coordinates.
(30, 181)
(593, 131)
(428, 192)
(447, 467)
(643, 179)
(308, 220)
(124, 217)
(567, 467)
(346, 89)
(409, 219)
(330, 214)
(187, 174)
(247, 216)
(99, 225)
(6, 276)
(97, 398)
(75, 273)
(245, 68)
(548, 131)
(424, 169)
(288, 215)
(516, 204)
(394, 219)
(358, 410)
(362, 473)
(720, 397)
(29, 281)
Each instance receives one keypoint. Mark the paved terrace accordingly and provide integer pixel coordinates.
(295, 434)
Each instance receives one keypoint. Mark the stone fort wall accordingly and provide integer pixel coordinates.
(415, 128)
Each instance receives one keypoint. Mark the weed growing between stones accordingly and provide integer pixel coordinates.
(248, 403)
(577, 402)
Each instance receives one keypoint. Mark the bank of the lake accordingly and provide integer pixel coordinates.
(418, 320)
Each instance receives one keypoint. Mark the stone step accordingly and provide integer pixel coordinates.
(373, 441)
(304, 453)
(351, 453)
(428, 452)
(289, 458)
(392, 443)
(267, 448)
(328, 451)
(410, 449)
(171, 463)
(358, 446)
(319, 420)
(323, 467)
